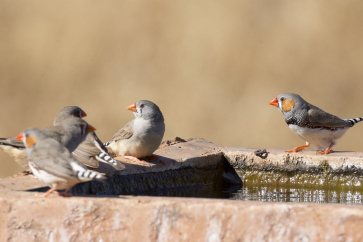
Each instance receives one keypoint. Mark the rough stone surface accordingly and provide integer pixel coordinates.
(28, 218)
(337, 161)
(25, 217)
(192, 162)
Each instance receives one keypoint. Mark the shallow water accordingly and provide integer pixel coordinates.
(252, 191)
(280, 193)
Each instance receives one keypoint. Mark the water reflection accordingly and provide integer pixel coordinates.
(265, 193)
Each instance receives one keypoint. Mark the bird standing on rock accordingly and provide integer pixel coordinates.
(16, 149)
(91, 150)
(141, 136)
(318, 128)
(53, 164)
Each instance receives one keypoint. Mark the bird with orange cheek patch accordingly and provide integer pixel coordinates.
(16, 149)
(318, 128)
(53, 164)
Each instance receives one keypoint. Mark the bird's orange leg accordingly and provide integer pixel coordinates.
(47, 193)
(297, 149)
(327, 151)
(154, 157)
(137, 160)
(66, 193)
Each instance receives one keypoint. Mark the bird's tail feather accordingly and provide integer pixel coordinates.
(84, 174)
(107, 143)
(105, 157)
(353, 121)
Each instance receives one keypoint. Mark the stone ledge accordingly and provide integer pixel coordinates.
(192, 162)
(129, 218)
(306, 160)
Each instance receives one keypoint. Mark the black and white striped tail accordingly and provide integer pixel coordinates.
(354, 121)
(105, 157)
(9, 142)
(107, 143)
(84, 174)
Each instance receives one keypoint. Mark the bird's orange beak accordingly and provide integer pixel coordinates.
(90, 128)
(132, 107)
(274, 102)
(83, 114)
(20, 137)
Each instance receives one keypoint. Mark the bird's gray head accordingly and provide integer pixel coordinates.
(147, 110)
(31, 137)
(68, 111)
(288, 104)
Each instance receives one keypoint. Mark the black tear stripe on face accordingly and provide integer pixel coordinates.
(82, 130)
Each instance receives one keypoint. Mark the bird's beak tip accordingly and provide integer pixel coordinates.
(20, 137)
(132, 107)
(274, 102)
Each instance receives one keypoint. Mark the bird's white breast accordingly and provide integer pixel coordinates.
(145, 140)
(49, 178)
(318, 138)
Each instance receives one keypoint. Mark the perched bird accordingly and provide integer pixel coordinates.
(318, 128)
(16, 149)
(91, 150)
(53, 164)
(70, 132)
(141, 136)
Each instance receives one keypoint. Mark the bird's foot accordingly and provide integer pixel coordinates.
(297, 149)
(154, 157)
(327, 151)
(47, 193)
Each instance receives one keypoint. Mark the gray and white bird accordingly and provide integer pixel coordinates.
(141, 136)
(70, 132)
(91, 150)
(318, 128)
(16, 149)
(53, 164)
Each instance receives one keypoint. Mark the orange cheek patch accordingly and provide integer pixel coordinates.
(30, 141)
(287, 105)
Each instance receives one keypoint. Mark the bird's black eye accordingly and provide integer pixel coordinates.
(142, 105)
(282, 99)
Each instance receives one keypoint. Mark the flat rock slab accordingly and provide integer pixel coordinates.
(336, 161)
(25, 217)
(189, 163)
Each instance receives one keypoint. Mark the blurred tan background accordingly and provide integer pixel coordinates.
(212, 67)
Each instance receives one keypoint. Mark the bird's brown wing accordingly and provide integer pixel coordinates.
(87, 151)
(319, 117)
(125, 132)
(56, 163)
